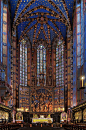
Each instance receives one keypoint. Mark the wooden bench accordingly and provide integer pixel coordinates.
(14, 126)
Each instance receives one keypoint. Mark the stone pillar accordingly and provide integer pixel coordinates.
(29, 65)
(69, 42)
(13, 71)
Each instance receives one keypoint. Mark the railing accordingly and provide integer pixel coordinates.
(16, 126)
(74, 126)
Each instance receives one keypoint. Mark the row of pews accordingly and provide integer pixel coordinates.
(11, 126)
(74, 126)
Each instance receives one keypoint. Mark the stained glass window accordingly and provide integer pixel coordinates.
(23, 64)
(4, 34)
(41, 63)
(60, 75)
(78, 37)
(82, 32)
(1, 31)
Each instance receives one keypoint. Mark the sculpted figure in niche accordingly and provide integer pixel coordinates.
(41, 101)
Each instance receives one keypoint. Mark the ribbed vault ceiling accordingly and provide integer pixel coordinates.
(41, 19)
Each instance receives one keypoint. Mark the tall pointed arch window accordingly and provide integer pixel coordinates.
(78, 34)
(41, 63)
(23, 63)
(60, 75)
(59, 64)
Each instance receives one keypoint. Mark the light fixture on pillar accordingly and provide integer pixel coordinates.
(82, 85)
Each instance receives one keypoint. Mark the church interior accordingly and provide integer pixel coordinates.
(42, 64)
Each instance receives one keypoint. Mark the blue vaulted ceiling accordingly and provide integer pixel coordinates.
(41, 19)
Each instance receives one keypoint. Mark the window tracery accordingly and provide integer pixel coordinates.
(41, 63)
(23, 63)
(59, 91)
